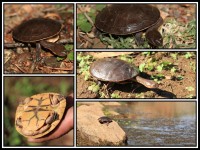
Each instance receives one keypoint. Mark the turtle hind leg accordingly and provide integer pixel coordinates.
(29, 132)
(51, 118)
(33, 133)
(44, 129)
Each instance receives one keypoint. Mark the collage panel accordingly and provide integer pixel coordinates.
(38, 38)
(136, 124)
(138, 75)
(38, 111)
(82, 75)
(136, 25)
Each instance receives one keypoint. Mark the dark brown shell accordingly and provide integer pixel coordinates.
(105, 119)
(125, 19)
(36, 29)
(113, 70)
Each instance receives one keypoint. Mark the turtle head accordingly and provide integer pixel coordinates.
(154, 38)
(148, 83)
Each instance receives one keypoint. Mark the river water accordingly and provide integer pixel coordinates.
(157, 123)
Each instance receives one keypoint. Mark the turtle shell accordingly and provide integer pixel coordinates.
(39, 114)
(112, 70)
(105, 119)
(123, 19)
(36, 29)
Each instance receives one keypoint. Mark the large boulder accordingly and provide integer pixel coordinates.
(91, 132)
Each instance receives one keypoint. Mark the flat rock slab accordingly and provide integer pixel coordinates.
(99, 134)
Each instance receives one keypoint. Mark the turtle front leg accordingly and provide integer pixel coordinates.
(38, 52)
(55, 99)
(56, 49)
(153, 36)
(138, 38)
(108, 89)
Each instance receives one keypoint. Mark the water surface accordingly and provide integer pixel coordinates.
(158, 123)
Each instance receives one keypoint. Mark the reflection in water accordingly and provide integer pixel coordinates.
(159, 123)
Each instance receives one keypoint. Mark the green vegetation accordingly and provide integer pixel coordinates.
(94, 88)
(115, 95)
(70, 56)
(82, 21)
(84, 64)
(179, 35)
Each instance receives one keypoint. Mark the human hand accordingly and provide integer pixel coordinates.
(64, 127)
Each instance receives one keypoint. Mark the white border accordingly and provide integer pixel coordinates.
(74, 75)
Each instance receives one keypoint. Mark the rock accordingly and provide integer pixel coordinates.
(113, 113)
(95, 133)
(111, 103)
(96, 104)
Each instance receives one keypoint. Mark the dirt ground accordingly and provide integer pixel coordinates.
(21, 59)
(178, 84)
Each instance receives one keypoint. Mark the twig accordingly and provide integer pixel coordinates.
(85, 14)
(86, 38)
(22, 70)
(63, 69)
(13, 45)
(55, 9)
(65, 41)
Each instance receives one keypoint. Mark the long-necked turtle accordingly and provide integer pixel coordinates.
(39, 114)
(124, 19)
(105, 120)
(116, 70)
(38, 30)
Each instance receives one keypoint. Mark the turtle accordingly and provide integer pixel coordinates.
(118, 71)
(39, 30)
(38, 115)
(126, 19)
(105, 120)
